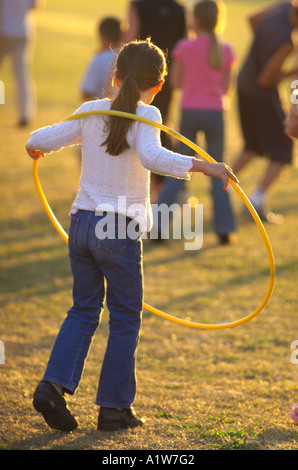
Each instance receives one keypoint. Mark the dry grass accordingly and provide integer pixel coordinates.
(199, 390)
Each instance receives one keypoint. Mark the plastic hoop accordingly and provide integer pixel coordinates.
(237, 188)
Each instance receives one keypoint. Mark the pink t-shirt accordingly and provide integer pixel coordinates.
(202, 85)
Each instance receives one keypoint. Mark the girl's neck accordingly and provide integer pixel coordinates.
(202, 32)
(147, 96)
(199, 31)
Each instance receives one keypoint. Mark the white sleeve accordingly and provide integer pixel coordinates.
(156, 158)
(53, 138)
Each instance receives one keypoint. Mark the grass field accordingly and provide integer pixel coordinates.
(199, 390)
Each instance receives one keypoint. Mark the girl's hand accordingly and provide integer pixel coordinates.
(216, 170)
(35, 154)
(222, 171)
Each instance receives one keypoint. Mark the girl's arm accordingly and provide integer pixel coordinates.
(229, 84)
(158, 159)
(153, 156)
(230, 79)
(176, 74)
(53, 138)
(217, 170)
(272, 72)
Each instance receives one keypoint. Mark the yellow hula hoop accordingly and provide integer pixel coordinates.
(237, 188)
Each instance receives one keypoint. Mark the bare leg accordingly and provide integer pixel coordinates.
(244, 158)
(258, 198)
(272, 173)
(25, 85)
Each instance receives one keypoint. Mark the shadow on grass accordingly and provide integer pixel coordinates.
(34, 263)
(88, 440)
(277, 436)
(77, 440)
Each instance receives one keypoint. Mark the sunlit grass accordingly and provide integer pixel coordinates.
(229, 389)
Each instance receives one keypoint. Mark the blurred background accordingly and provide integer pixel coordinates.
(240, 383)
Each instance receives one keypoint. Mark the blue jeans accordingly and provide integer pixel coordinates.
(101, 267)
(211, 123)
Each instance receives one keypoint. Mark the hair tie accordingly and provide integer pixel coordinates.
(130, 75)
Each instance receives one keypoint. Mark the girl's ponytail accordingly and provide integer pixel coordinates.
(126, 100)
(215, 53)
(140, 65)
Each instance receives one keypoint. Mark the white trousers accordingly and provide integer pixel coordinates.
(19, 51)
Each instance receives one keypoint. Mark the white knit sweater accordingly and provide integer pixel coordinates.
(120, 182)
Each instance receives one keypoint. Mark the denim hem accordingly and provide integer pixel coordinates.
(113, 405)
(66, 388)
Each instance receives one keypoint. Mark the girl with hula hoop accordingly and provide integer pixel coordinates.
(118, 155)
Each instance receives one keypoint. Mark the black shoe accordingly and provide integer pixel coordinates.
(227, 239)
(23, 122)
(112, 419)
(52, 405)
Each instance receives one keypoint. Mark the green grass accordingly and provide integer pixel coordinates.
(229, 389)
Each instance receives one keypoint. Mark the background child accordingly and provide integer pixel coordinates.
(16, 37)
(118, 155)
(202, 68)
(164, 21)
(97, 81)
(260, 107)
(291, 129)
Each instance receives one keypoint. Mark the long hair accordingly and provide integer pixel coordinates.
(140, 65)
(207, 14)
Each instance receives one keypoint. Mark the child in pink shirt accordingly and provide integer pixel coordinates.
(202, 68)
(203, 86)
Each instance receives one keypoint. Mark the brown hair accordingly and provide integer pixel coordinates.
(111, 28)
(140, 65)
(207, 14)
